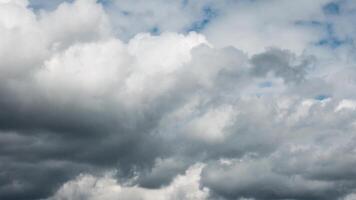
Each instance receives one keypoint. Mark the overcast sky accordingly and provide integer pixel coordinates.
(178, 100)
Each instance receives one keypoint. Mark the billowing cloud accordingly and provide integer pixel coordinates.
(89, 187)
(177, 100)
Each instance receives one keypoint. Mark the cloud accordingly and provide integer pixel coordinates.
(313, 158)
(184, 186)
(156, 17)
(254, 25)
(281, 64)
(255, 179)
(117, 99)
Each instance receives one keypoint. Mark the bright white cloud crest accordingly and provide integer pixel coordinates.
(106, 188)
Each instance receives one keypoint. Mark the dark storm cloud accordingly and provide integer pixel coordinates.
(91, 140)
(289, 176)
(260, 184)
(45, 131)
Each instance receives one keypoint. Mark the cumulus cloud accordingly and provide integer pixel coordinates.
(89, 187)
(177, 100)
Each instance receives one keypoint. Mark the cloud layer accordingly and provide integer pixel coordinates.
(177, 100)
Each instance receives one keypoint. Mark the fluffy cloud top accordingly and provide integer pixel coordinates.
(106, 188)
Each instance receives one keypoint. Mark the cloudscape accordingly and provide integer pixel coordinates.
(177, 100)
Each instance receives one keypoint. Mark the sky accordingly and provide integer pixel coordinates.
(177, 100)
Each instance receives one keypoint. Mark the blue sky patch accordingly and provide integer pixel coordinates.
(331, 9)
(266, 84)
(208, 14)
(155, 31)
(321, 97)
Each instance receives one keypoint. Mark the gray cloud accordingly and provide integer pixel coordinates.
(280, 63)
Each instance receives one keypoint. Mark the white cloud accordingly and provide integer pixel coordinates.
(90, 68)
(156, 16)
(80, 21)
(346, 104)
(210, 126)
(254, 25)
(22, 45)
(183, 187)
